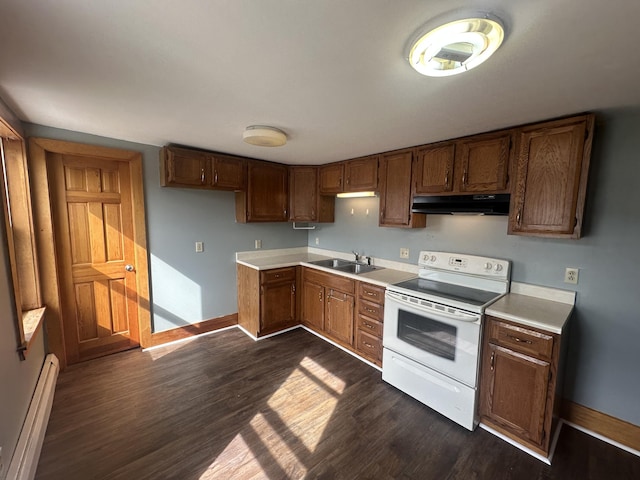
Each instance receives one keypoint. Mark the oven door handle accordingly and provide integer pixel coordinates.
(471, 318)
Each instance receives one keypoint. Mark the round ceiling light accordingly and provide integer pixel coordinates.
(456, 47)
(263, 136)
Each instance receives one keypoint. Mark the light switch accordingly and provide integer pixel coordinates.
(199, 247)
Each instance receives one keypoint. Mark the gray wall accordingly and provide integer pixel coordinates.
(188, 287)
(604, 352)
(17, 378)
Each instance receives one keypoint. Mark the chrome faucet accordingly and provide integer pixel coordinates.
(357, 256)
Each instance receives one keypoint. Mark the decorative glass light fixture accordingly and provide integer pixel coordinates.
(263, 136)
(457, 46)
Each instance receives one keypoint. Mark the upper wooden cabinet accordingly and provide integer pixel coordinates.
(361, 174)
(266, 198)
(477, 164)
(305, 202)
(482, 163)
(357, 175)
(552, 168)
(433, 168)
(395, 191)
(332, 178)
(182, 167)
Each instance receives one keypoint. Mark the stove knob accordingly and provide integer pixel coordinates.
(433, 258)
(425, 257)
(487, 266)
(498, 267)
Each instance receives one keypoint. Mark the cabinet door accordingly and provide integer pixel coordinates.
(277, 306)
(332, 178)
(395, 191)
(303, 195)
(434, 168)
(339, 316)
(267, 188)
(229, 173)
(553, 163)
(483, 163)
(361, 174)
(313, 305)
(514, 392)
(184, 168)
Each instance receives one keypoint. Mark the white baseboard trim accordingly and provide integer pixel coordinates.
(27, 453)
(542, 458)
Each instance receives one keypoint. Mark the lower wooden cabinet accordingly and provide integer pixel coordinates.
(267, 299)
(519, 382)
(327, 305)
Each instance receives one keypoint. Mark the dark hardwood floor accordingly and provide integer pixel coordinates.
(288, 407)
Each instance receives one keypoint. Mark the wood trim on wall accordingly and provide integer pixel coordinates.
(191, 330)
(613, 428)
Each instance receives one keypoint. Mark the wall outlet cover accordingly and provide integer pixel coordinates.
(571, 275)
(404, 253)
(258, 244)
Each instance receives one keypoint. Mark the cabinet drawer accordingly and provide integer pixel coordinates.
(278, 275)
(371, 292)
(371, 309)
(369, 325)
(523, 340)
(369, 345)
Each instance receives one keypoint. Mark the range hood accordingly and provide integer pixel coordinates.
(462, 204)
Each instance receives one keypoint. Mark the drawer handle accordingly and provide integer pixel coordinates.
(519, 340)
(371, 294)
(366, 344)
(493, 358)
(370, 310)
(368, 325)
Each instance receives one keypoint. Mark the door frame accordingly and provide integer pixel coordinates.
(39, 148)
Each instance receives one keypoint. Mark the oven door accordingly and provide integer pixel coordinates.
(443, 339)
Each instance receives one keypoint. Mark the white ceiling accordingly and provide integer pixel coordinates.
(330, 73)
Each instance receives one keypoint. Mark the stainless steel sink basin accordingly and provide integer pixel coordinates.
(357, 268)
(332, 263)
(345, 266)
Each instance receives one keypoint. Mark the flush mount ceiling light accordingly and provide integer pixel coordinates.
(456, 47)
(356, 194)
(263, 136)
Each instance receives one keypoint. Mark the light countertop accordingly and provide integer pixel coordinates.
(533, 306)
(291, 258)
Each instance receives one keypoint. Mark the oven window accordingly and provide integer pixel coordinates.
(427, 334)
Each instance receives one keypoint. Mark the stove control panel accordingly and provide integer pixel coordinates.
(469, 264)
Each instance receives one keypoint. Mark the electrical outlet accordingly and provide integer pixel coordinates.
(258, 244)
(199, 247)
(317, 240)
(571, 275)
(404, 253)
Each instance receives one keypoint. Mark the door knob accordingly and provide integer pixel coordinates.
(128, 268)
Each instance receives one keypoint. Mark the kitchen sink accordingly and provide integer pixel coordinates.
(345, 266)
(332, 263)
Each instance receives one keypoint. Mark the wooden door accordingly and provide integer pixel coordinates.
(483, 163)
(229, 173)
(303, 196)
(184, 168)
(331, 178)
(339, 316)
(515, 392)
(313, 305)
(553, 163)
(95, 248)
(434, 168)
(361, 174)
(267, 192)
(278, 306)
(395, 191)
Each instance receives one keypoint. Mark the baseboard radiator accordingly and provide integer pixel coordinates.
(25, 458)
